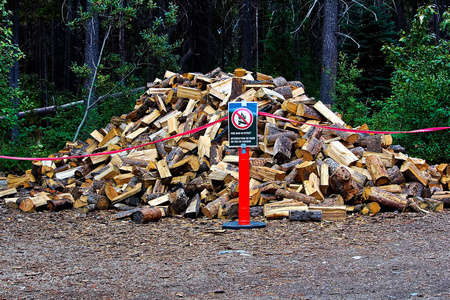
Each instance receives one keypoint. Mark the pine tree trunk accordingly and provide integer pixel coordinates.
(329, 50)
(14, 72)
(91, 50)
(248, 35)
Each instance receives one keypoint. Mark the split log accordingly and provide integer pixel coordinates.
(281, 209)
(193, 209)
(305, 215)
(342, 183)
(413, 189)
(350, 137)
(282, 149)
(266, 174)
(300, 197)
(212, 209)
(331, 213)
(428, 204)
(178, 201)
(443, 196)
(411, 172)
(341, 154)
(311, 148)
(384, 198)
(377, 170)
(395, 175)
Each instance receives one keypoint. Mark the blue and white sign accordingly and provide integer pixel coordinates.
(243, 124)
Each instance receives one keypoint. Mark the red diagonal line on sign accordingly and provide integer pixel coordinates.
(245, 121)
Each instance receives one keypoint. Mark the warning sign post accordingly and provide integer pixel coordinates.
(243, 124)
(242, 133)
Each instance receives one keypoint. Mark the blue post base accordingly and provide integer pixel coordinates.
(235, 225)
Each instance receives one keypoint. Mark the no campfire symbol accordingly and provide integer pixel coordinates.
(242, 118)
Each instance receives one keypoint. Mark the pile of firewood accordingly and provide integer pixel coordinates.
(298, 171)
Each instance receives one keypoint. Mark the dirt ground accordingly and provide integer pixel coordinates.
(70, 255)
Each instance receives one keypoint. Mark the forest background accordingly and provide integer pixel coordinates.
(77, 63)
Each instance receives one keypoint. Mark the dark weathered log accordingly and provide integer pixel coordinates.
(284, 91)
(358, 151)
(332, 165)
(272, 138)
(281, 193)
(413, 189)
(395, 175)
(305, 215)
(282, 149)
(290, 178)
(60, 204)
(174, 156)
(147, 214)
(342, 183)
(193, 209)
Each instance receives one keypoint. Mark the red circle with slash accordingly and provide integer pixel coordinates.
(242, 118)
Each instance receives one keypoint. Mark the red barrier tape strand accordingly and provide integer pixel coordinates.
(218, 121)
(116, 151)
(354, 130)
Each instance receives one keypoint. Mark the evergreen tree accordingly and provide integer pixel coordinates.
(370, 28)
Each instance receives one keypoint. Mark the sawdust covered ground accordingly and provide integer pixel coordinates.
(69, 255)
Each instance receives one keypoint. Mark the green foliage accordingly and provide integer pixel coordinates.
(345, 100)
(420, 89)
(370, 28)
(280, 59)
(9, 53)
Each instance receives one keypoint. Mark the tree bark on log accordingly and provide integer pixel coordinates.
(281, 193)
(343, 184)
(305, 215)
(384, 198)
(377, 170)
(147, 214)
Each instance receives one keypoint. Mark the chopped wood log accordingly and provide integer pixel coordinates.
(311, 148)
(187, 164)
(413, 189)
(38, 202)
(281, 209)
(331, 213)
(428, 204)
(324, 178)
(377, 170)
(327, 113)
(229, 210)
(147, 214)
(290, 178)
(266, 174)
(342, 183)
(341, 154)
(282, 193)
(384, 198)
(395, 175)
(411, 172)
(308, 112)
(212, 209)
(178, 201)
(282, 149)
(392, 188)
(305, 169)
(270, 139)
(443, 196)
(305, 215)
(8, 192)
(312, 187)
(193, 209)
(373, 207)
(371, 143)
(60, 204)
